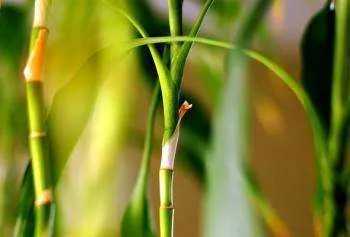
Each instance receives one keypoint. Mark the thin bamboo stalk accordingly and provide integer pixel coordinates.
(335, 223)
(175, 23)
(178, 54)
(37, 130)
(166, 176)
(171, 133)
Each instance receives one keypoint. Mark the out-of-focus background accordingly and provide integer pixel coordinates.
(106, 101)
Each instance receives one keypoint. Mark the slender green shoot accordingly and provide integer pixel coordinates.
(334, 222)
(175, 23)
(340, 87)
(179, 61)
(169, 95)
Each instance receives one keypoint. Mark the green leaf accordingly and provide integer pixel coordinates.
(80, 93)
(169, 92)
(137, 220)
(226, 195)
(315, 122)
(175, 22)
(13, 33)
(317, 50)
(162, 70)
(26, 215)
(179, 61)
(317, 61)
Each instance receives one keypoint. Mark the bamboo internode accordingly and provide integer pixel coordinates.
(40, 13)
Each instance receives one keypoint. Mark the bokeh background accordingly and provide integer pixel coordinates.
(105, 97)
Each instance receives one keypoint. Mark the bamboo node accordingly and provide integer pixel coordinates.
(45, 197)
(36, 134)
(164, 206)
(166, 169)
(34, 66)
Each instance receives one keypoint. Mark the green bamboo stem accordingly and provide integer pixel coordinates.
(175, 23)
(166, 176)
(36, 115)
(171, 129)
(336, 192)
(166, 210)
(42, 182)
(340, 83)
(179, 60)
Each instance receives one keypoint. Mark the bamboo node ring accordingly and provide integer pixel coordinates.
(36, 134)
(45, 197)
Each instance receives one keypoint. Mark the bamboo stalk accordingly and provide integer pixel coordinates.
(166, 176)
(37, 130)
(179, 60)
(335, 223)
(172, 123)
(175, 23)
(171, 133)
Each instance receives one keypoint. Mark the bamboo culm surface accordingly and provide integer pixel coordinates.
(36, 116)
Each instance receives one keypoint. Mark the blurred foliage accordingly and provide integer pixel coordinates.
(13, 41)
(317, 50)
(225, 191)
(317, 59)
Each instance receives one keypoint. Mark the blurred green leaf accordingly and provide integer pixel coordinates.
(225, 195)
(65, 129)
(13, 33)
(26, 215)
(227, 10)
(14, 30)
(317, 51)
